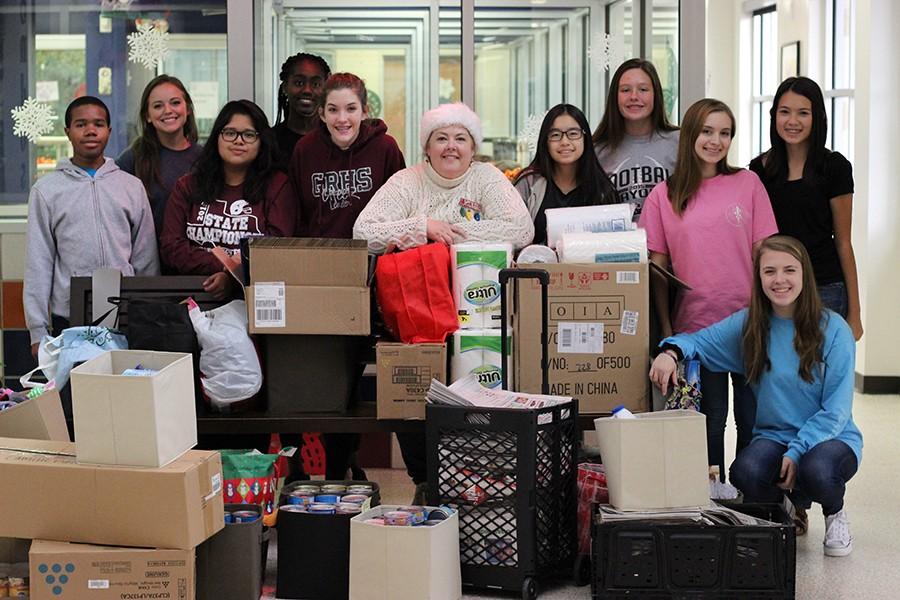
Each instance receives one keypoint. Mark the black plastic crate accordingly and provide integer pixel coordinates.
(649, 559)
(511, 475)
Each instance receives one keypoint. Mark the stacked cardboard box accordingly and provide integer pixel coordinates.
(404, 374)
(131, 494)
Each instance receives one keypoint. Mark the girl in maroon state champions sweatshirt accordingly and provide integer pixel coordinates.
(234, 191)
(338, 167)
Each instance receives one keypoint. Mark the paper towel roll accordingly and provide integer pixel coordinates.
(535, 254)
(476, 282)
(477, 351)
(578, 219)
(612, 247)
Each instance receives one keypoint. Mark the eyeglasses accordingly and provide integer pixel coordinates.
(248, 135)
(556, 135)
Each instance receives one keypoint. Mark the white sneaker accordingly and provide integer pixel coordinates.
(838, 541)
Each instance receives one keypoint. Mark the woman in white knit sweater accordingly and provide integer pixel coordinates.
(448, 198)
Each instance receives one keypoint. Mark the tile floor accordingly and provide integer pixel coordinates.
(872, 571)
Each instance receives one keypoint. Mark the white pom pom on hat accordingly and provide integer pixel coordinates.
(445, 115)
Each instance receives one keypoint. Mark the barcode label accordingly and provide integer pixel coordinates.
(581, 338)
(268, 304)
(98, 584)
(629, 322)
(628, 277)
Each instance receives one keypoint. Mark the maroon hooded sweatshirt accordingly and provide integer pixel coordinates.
(333, 184)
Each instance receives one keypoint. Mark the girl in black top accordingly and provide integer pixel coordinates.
(811, 189)
(562, 173)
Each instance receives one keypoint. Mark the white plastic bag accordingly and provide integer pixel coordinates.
(229, 366)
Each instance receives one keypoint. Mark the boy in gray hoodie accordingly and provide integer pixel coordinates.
(86, 215)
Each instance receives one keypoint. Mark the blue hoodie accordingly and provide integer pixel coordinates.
(77, 224)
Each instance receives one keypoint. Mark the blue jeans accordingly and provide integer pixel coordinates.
(834, 296)
(714, 404)
(822, 474)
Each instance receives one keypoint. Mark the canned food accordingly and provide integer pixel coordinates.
(328, 498)
(346, 508)
(397, 517)
(245, 516)
(308, 488)
(354, 498)
(301, 498)
(417, 513)
(229, 518)
(439, 514)
(432, 522)
(294, 508)
(18, 587)
(320, 509)
(374, 521)
(334, 488)
(360, 488)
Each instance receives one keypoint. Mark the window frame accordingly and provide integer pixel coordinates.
(833, 95)
(758, 99)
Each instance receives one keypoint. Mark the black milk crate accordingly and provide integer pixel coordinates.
(511, 475)
(647, 559)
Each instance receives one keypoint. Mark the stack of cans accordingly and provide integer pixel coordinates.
(327, 499)
(410, 516)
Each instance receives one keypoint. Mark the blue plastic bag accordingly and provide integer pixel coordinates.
(59, 355)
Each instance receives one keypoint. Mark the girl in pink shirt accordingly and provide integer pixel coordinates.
(704, 223)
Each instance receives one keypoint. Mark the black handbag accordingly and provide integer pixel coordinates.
(161, 324)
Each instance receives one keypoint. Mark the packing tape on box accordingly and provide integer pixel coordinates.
(537, 254)
(580, 219)
(612, 247)
(477, 351)
(476, 282)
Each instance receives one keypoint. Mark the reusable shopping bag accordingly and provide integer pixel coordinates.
(413, 291)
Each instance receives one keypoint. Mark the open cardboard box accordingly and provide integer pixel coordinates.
(40, 418)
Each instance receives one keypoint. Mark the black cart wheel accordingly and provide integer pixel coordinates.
(582, 571)
(529, 589)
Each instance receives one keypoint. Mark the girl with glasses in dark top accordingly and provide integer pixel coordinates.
(234, 191)
(562, 173)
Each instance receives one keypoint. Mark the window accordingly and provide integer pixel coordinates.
(765, 75)
(839, 74)
(56, 51)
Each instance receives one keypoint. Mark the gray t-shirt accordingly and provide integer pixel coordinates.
(639, 164)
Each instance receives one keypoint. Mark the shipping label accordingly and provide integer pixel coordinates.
(268, 304)
(582, 338)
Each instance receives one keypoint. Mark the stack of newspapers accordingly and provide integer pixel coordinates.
(468, 392)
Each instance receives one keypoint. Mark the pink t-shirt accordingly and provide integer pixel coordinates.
(711, 245)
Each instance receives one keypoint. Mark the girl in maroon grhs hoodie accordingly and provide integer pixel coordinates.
(234, 191)
(338, 167)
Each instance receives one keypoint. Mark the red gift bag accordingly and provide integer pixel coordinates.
(413, 290)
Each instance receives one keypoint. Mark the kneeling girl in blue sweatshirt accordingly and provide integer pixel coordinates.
(799, 359)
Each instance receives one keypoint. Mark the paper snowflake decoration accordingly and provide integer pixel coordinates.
(33, 119)
(531, 130)
(606, 51)
(149, 45)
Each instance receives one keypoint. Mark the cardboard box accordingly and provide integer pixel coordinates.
(310, 261)
(40, 418)
(405, 372)
(404, 563)
(53, 497)
(300, 309)
(136, 421)
(656, 460)
(62, 570)
(604, 305)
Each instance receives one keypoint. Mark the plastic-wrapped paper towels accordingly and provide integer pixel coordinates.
(478, 351)
(580, 219)
(537, 254)
(613, 247)
(476, 282)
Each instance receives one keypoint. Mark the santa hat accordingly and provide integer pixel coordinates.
(445, 115)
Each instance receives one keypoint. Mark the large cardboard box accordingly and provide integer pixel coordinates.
(404, 563)
(40, 418)
(308, 286)
(299, 309)
(309, 261)
(656, 460)
(62, 570)
(136, 421)
(598, 345)
(405, 372)
(51, 496)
